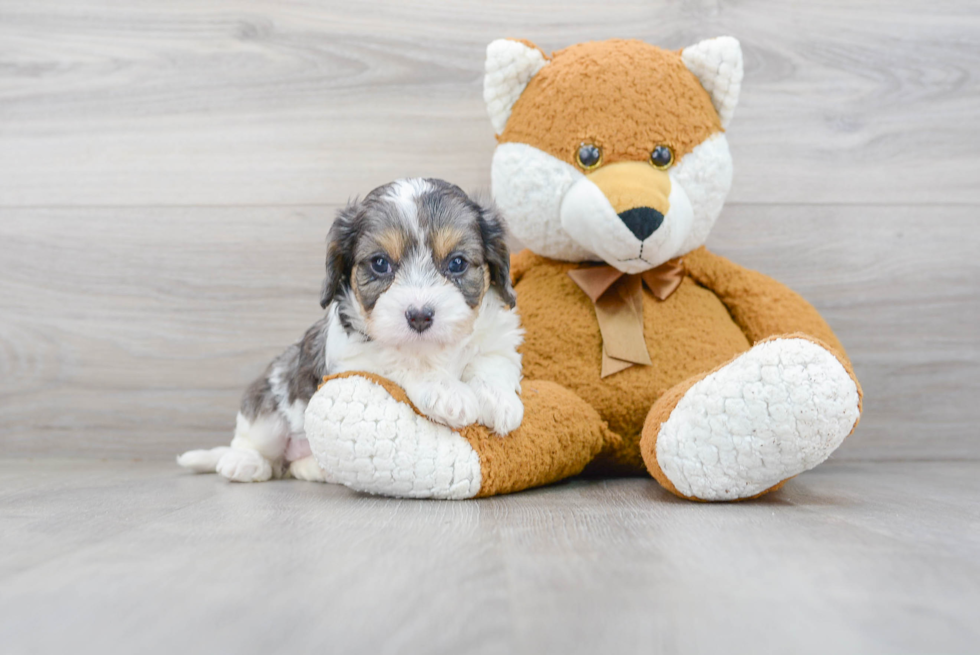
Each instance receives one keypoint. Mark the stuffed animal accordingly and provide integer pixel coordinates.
(643, 350)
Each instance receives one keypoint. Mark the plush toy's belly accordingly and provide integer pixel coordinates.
(689, 333)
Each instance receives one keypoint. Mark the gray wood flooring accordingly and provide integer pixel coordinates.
(168, 171)
(117, 557)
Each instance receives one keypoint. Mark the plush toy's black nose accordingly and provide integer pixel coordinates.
(642, 221)
(420, 320)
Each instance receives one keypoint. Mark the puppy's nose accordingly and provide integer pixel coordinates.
(642, 221)
(420, 320)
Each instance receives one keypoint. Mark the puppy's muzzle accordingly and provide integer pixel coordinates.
(420, 320)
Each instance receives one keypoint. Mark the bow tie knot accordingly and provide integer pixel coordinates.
(618, 300)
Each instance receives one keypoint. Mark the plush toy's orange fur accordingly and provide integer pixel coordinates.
(656, 102)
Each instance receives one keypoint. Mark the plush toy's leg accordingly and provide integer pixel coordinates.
(745, 428)
(365, 433)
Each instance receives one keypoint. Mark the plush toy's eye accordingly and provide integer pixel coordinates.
(457, 265)
(380, 265)
(588, 156)
(662, 157)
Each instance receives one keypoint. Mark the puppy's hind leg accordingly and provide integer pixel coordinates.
(271, 411)
(202, 461)
(256, 452)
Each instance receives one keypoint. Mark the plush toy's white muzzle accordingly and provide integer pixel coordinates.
(559, 212)
(589, 217)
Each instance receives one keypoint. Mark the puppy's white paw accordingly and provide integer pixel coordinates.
(244, 466)
(307, 469)
(202, 461)
(501, 409)
(447, 401)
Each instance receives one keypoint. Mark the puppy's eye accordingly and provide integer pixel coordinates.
(380, 265)
(457, 265)
(588, 156)
(662, 157)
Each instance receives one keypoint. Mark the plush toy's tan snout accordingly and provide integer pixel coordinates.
(638, 192)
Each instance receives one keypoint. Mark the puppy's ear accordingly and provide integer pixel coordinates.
(340, 251)
(493, 229)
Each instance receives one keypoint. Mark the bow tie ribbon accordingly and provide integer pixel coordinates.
(618, 300)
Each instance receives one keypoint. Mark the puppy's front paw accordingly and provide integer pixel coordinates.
(449, 402)
(244, 466)
(501, 409)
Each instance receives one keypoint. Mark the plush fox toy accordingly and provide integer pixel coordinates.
(643, 351)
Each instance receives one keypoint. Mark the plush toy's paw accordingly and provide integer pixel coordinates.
(447, 401)
(776, 411)
(366, 439)
(244, 466)
(307, 469)
(501, 409)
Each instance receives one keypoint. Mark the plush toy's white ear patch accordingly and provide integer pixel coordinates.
(717, 63)
(510, 66)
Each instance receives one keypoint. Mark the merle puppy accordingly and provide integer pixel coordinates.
(418, 291)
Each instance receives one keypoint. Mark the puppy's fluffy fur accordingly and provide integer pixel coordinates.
(417, 290)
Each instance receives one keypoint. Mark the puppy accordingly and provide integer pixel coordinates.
(418, 291)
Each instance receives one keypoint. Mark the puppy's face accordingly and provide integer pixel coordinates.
(412, 262)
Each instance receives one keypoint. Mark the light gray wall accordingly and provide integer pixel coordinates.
(168, 172)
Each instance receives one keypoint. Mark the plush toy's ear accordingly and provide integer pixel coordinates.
(510, 66)
(717, 63)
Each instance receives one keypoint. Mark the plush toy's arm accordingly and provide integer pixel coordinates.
(366, 433)
(760, 305)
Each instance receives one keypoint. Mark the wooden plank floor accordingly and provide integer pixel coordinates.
(117, 557)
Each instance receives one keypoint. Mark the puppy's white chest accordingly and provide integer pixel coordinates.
(402, 365)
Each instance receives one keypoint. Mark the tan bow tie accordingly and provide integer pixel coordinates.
(618, 300)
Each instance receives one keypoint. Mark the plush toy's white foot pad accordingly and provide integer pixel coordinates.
(778, 410)
(365, 439)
